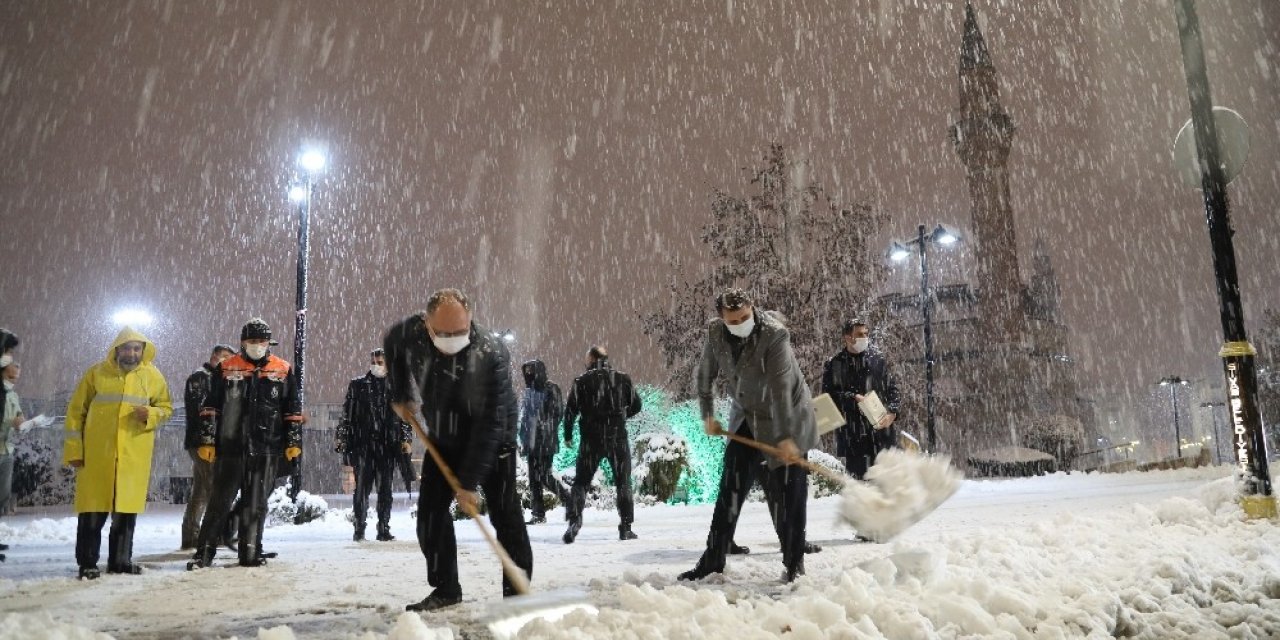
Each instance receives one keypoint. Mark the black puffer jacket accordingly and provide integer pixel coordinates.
(369, 428)
(605, 398)
(253, 407)
(466, 399)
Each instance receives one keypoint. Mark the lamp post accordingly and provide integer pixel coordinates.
(1236, 352)
(899, 252)
(1173, 382)
(1213, 414)
(311, 162)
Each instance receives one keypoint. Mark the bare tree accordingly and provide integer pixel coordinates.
(799, 252)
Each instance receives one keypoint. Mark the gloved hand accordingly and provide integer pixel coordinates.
(291, 453)
(405, 447)
(206, 453)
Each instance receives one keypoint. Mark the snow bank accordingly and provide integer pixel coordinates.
(900, 489)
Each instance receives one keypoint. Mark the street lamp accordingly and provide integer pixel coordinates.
(1237, 354)
(1173, 382)
(132, 317)
(898, 252)
(311, 162)
(1213, 413)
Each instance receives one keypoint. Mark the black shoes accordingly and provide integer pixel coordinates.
(89, 573)
(571, 533)
(4, 547)
(385, 536)
(128, 569)
(625, 532)
(202, 559)
(810, 547)
(358, 536)
(697, 573)
(433, 602)
(258, 561)
(736, 549)
(794, 572)
(862, 538)
(537, 520)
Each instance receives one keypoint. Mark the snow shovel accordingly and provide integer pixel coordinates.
(506, 619)
(900, 489)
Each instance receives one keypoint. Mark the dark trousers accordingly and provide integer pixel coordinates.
(253, 477)
(435, 522)
(864, 449)
(201, 487)
(119, 540)
(542, 476)
(618, 453)
(786, 489)
(373, 471)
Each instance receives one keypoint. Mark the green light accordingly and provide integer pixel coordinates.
(700, 483)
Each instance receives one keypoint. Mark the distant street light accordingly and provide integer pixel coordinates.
(1237, 354)
(898, 252)
(1213, 413)
(311, 162)
(132, 317)
(1173, 382)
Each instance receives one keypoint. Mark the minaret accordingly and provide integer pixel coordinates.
(982, 136)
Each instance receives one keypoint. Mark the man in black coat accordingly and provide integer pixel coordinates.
(372, 440)
(540, 413)
(859, 369)
(605, 398)
(252, 425)
(456, 376)
(196, 390)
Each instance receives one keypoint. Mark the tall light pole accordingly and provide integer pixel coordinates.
(1236, 352)
(1173, 382)
(311, 162)
(1213, 413)
(899, 252)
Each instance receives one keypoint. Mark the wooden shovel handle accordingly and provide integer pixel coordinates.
(782, 455)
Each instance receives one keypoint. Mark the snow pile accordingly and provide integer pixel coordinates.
(42, 626)
(43, 530)
(900, 489)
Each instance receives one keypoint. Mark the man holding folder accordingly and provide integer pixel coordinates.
(858, 380)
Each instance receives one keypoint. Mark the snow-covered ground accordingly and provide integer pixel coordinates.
(1147, 555)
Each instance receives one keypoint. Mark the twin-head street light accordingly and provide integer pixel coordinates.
(898, 252)
(1213, 414)
(311, 162)
(1173, 382)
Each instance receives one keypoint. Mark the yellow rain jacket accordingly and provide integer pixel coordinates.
(103, 432)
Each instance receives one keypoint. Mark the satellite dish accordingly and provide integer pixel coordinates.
(1233, 147)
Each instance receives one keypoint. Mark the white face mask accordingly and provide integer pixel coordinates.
(8, 385)
(5, 360)
(450, 346)
(378, 370)
(255, 351)
(861, 344)
(743, 329)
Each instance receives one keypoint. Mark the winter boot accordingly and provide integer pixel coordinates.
(794, 571)
(697, 573)
(358, 536)
(736, 549)
(90, 573)
(384, 532)
(537, 519)
(202, 559)
(434, 601)
(571, 533)
(127, 569)
(625, 533)
(810, 547)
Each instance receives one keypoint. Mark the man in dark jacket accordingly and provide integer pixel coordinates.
(252, 425)
(750, 350)
(859, 369)
(540, 413)
(456, 376)
(372, 440)
(197, 389)
(605, 398)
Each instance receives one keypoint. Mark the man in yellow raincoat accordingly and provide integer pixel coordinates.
(111, 430)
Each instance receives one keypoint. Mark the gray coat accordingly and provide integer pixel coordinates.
(766, 387)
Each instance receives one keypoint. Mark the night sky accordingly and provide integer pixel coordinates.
(556, 160)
